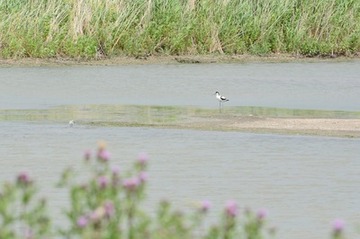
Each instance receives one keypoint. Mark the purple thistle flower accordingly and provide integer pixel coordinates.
(104, 155)
(261, 214)
(131, 183)
(109, 208)
(143, 158)
(103, 182)
(23, 178)
(82, 222)
(143, 176)
(115, 170)
(205, 206)
(338, 225)
(231, 208)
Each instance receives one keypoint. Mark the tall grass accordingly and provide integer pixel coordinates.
(97, 28)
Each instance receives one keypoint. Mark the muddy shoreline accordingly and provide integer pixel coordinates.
(331, 127)
(343, 128)
(163, 59)
(297, 126)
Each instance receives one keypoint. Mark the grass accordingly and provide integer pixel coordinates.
(105, 28)
(153, 114)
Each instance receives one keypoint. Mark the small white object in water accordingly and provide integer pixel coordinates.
(71, 123)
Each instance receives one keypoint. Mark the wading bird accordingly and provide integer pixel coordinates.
(221, 99)
(71, 123)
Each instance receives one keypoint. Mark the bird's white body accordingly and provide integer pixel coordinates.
(71, 123)
(220, 98)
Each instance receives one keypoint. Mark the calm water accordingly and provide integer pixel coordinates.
(305, 182)
(288, 85)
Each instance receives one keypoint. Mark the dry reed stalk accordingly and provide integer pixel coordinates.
(54, 26)
(192, 49)
(215, 45)
(191, 5)
(147, 15)
(81, 18)
(225, 2)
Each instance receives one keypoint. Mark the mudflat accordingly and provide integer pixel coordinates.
(167, 59)
(301, 126)
(325, 127)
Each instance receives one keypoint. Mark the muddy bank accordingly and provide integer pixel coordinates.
(334, 127)
(300, 126)
(163, 59)
(240, 119)
(348, 128)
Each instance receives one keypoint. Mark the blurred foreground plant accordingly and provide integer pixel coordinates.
(108, 205)
(22, 214)
(105, 203)
(338, 226)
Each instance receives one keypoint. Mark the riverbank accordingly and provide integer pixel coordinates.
(166, 59)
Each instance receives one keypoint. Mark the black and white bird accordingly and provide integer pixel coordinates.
(71, 123)
(221, 99)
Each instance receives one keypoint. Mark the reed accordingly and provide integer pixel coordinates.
(99, 28)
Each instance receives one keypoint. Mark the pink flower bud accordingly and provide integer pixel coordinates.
(82, 222)
(131, 183)
(143, 176)
(143, 158)
(261, 214)
(231, 208)
(23, 178)
(103, 182)
(338, 225)
(103, 155)
(109, 208)
(115, 170)
(205, 206)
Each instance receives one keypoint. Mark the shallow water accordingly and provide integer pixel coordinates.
(305, 182)
(328, 85)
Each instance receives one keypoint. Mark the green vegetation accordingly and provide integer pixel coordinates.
(178, 117)
(160, 115)
(97, 28)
